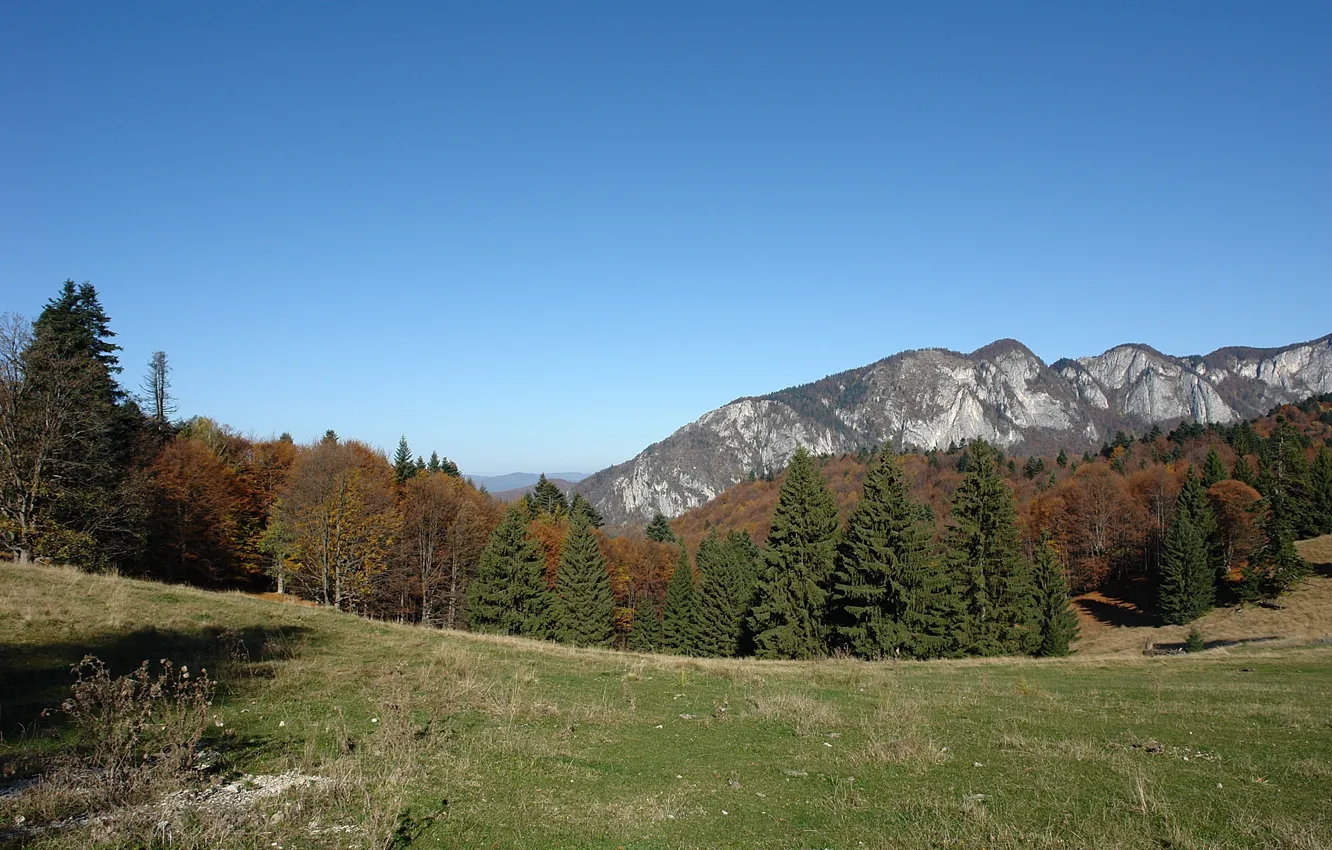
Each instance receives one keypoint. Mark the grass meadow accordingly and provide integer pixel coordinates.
(331, 731)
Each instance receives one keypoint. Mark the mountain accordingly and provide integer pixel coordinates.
(515, 480)
(515, 493)
(929, 398)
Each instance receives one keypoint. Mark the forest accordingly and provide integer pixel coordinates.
(964, 551)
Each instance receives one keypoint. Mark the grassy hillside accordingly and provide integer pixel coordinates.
(430, 739)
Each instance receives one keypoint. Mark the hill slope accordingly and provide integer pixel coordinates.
(449, 740)
(927, 399)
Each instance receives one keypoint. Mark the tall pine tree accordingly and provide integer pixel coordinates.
(790, 602)
(1058, 622)
(645, 634)
(508, 594)
(724, 595)
(403, 465)
(1320, 486)
(996, 612)
(660, 529)
(586, 602)
(546, 498)
(581, 507)
(679, 619)
(1213, 469)
(1187, 588)
(889, 593)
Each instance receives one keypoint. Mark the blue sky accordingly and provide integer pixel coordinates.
(542, 236)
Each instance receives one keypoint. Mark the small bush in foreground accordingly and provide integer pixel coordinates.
(139, 727)
(1194, 642)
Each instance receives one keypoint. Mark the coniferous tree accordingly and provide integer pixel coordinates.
(433, 465)
(790, 602)
(645, 635)
(403, 467)
(1320, 487)
(1242, 471)
(889, 592)
(724, 594)
(70, 438)
(586, 607)
(546, 498)
(679, 619)
(1194, 495)
(509, 595)
(1058, 622)
(1276, 566)
(1062, 459)
(1213, 469)
(1283, 478)
(660, 530)
(581, 507)
(1187, 588)
(996, 613)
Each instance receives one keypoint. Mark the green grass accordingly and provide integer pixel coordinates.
(504, 743)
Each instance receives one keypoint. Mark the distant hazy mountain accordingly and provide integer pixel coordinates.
(927, 399)
(512, 495)
(514, 480)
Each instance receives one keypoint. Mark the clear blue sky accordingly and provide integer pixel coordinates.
(541, 236)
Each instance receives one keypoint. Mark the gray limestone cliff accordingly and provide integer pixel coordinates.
(927, 399)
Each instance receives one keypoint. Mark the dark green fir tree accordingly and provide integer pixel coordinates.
(403, 466)
(582, 508)
(889, 593)
(645, 634)
(1320, 491)
(1213, 469)
(679, 619)
(727, 586)
(547, 499)
(996, 613)
(1187, 587)
(508, 594)
(660, 530)
(790, 603)
(586, 609)
(1242, 471)
(1058, 622)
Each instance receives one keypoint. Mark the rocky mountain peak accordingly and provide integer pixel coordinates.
(928, 398)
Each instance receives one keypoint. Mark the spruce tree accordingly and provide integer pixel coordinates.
(1194, 496)
(1320, 487)
(889, 592)
(724, 595)
(508, 594)
(1276, 566)
(1242, 471)
(586, 609)
(1062, 459)
(1058, 622)
(679, 619)
(645, 634)
(1213, 469)
(403, 466)
(996, 612)
(581, 507)
(790, 603)
(76, 443)
(548, 499)
(660, 529)
(433, 465)
(1284, 478)
(1187, 588)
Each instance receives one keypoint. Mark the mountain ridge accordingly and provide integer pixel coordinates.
(926, 398)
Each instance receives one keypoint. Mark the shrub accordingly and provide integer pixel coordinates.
(1194, 642)
(138, 727)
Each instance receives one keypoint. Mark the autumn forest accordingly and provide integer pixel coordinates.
(962, 551)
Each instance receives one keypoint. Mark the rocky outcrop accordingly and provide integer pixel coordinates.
(927, 399)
